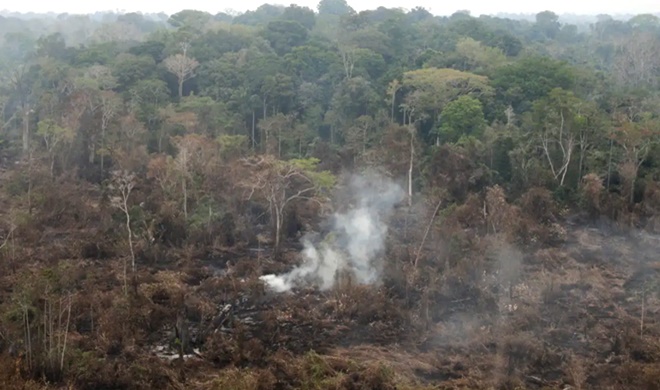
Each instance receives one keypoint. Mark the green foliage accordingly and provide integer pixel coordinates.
(439, 86)
(284, 35)
(303, 15)
(232, 145)
(54, 136)
(130, 69)
(462, 117)
(323, 180)
(529, 79)
(334, 7)
(479, 58)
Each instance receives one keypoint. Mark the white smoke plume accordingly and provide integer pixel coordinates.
(356, 242)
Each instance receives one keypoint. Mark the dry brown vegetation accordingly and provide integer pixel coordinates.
(502, 295)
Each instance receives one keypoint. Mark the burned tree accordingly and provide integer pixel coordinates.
(282, 183)
(122, 184)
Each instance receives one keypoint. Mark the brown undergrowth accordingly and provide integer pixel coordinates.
(544, 303)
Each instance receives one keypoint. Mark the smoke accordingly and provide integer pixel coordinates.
(356, 240)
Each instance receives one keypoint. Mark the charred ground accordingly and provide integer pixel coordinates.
(548, 302)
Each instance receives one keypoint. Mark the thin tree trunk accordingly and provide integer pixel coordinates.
(26, 131)
(641, 323)
(278, 227)
(53, 355)
(580, 167)
(29, 189)
(426, 233)
(265, 108)
(125, 276)
(103, 126)
(185, 199)
(180, 87)
(28, 339)
(66, 333)
(566, 165)
(130, 240)
(254, 142)
(92, 151)
(410, 169)
(609, 165)
(632, 189)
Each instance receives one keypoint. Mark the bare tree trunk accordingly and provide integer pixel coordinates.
(180, 86)
(410, 169)
(130, 242)
(265, 108)
(103, 127)
(125, 276)
(29, 190)
(254, 141)
(52, 167)
(426, 233)
(580, 167)
(92, 151)
(566, 164)
(632, 189)
(28, 338)
(641, 323)
(160, 141)
(26, 130)
(66, 333)
(278, 226)
(185, 199)
(583, 151)
(609, 165)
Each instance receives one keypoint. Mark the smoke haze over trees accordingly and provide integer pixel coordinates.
(324, 198)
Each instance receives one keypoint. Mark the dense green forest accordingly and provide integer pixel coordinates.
(153, 168)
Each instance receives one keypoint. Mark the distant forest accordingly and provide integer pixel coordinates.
(526, 103)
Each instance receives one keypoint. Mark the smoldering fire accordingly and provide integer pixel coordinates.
(357, 238)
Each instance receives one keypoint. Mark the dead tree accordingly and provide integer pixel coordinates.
(123, 183)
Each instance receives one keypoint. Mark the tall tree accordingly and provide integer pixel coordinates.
(283, 183)
(122, 185)
(182, 66)
(557, 125)
(636, 139)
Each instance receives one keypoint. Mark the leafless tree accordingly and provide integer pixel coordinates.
(638, 60)
(182, 67)
(122, 184)
(280, 184)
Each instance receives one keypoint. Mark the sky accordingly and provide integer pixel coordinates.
(476, 7)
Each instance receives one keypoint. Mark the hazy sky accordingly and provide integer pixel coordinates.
(436, 7)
